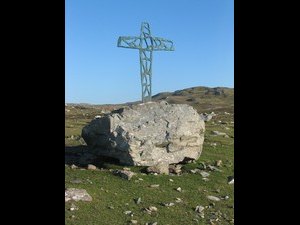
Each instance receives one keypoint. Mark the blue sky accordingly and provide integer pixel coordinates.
(98, 72)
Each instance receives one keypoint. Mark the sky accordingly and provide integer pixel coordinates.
(98, 72)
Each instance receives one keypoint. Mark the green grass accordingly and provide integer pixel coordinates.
(108, 190)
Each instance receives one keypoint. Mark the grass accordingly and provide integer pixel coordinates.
(112, 196)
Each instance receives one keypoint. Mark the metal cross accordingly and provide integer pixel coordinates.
(146, 44)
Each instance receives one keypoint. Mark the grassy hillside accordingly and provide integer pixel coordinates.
(112, 196)
(203, 99)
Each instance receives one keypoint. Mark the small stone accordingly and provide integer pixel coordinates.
(154, 185)
(218, 163)
(77, 195)
(213, 168)
(230, 180)
(152, 209)
(213, 198)
(128, 212)
(159, 168)
(168, 204)
(111, 207)
(201, 214)
(147, 210)
(73, 166)
(138, 200)
(195, 171)
(126, 168)
(73, 207)
(218, 133)
(204, 174)
(206, 117)
(171, 180)
(199, 208)
(179, 189)
(178, 200)
(141, 179)
(91, 167)
(175, 169)
(133, 221)
(124, 174)
(226, 197)
(205, 179)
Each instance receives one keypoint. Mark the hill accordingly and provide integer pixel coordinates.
(203, 99)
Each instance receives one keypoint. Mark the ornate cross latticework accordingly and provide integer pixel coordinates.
(146, 44)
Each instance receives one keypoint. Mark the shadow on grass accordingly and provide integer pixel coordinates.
(81, 156)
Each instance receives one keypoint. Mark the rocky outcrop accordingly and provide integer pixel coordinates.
(147, 134)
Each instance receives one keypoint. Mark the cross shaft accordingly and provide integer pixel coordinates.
(146, 45)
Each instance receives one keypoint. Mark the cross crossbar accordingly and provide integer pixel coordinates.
(146, 45)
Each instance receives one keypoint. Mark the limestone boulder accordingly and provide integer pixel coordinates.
(147, 134)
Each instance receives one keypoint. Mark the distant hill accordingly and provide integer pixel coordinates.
(203, 99)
